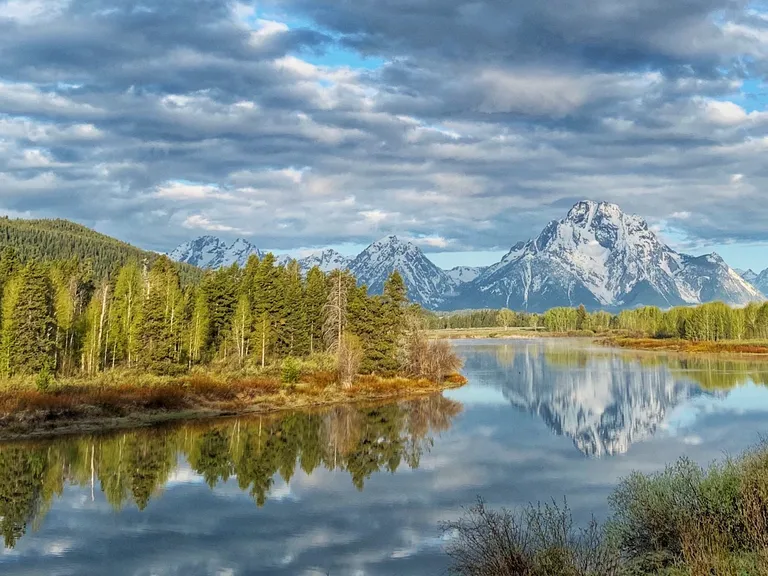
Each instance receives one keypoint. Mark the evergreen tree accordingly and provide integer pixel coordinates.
(160, 326)
(28, 323)
(315, 297)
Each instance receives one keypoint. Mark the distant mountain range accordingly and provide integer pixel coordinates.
(759, 281)
(597, 255)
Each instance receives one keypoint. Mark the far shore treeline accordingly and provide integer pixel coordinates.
(714, 321)
(63, 318)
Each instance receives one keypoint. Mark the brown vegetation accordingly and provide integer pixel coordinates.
(127, 398)
(747, 347)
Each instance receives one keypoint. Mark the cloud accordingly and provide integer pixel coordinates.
(465, 124)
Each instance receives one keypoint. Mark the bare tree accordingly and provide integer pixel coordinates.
(335, 312)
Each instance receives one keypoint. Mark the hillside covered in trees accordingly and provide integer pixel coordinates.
(62, 240)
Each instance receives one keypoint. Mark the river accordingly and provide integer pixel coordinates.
(362, 490)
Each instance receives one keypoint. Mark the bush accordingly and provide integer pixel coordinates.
(431, 359)
(350, 356)
(684, 521)
(291, 370)
(540, 541)
(711, 521)
(44, 379)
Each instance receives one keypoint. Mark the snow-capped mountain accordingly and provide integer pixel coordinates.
(426, 283)
(749, 275)
(212, 252)
(327, 260)
(597, 255)
(604, 406)
(601, 257)
(463, 274)
(759, 281)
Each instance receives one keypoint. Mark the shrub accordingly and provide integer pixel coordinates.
(350, 355)
(44, 379)
(290, 371)
(431, 359)
(539, 541)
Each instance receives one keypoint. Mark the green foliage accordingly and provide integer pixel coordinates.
(708, 520)
(290, 371)
(28, 324)
(81, 316)
(46, 240)
(44, 379)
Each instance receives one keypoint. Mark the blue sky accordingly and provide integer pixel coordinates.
(465, 126)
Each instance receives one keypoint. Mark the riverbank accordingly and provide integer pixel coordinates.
(754, 348)
(723, 347)
(496, 334)
(133, 400)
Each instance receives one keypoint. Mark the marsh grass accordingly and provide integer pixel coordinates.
(746, 347)
(120, 393)
(684, 521)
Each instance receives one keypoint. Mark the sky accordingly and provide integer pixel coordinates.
(463, 126)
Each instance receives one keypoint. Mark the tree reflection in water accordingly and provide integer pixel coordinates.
(133, 467)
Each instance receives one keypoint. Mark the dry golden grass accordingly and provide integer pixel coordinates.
(743, 347)
(125, 394)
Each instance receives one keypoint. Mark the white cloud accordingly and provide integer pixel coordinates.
(198, 221)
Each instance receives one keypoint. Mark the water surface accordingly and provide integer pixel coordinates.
(362, 489)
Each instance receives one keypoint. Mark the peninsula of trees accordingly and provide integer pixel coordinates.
(66, 326)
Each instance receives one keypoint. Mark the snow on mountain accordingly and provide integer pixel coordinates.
(464, 274)
(748, 275)
(212, 252)
(327, 260)
(759, 281)
(597, 255)
(426, 283)
(601, 257)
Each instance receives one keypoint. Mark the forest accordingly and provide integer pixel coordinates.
(58, 239)
(711, 322)
(63, 318)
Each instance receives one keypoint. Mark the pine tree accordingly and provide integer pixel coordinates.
(160, 328)
(28, 323)
(294, 337)
(315, 297)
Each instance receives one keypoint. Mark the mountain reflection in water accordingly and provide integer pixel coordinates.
(132, 467)
(604, 400)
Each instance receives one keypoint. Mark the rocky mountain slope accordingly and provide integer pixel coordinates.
(427, 284)
(602, 257)
(759, 281)
(597, 255)
(212, 252)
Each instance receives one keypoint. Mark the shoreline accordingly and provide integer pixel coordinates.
(25, 425)
(756, 349)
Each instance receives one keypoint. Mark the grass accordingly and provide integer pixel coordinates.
(124, 398)
(735, 347)
(684, 521)
(473, 333)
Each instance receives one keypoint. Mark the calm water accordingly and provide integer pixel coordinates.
(362, 490)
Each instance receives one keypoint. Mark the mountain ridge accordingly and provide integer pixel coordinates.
(597, 255)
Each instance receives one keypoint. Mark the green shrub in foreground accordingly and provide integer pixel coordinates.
(684, 521)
